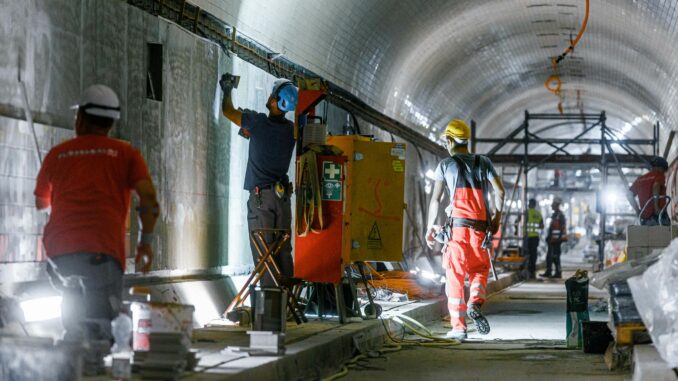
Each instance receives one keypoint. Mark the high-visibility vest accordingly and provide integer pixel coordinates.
(534, 220)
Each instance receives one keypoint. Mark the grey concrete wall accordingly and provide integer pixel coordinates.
(60, 48)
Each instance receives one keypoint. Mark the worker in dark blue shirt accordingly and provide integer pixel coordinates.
(272, 143)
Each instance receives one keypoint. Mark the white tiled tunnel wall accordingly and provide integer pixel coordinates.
(424, 62)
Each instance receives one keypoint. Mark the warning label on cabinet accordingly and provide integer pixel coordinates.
(374, 238)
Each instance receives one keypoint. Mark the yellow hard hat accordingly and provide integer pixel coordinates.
(458, 129)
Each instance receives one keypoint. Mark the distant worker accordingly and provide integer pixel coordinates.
(470, 223)
(650, 186)
(535, 224)
(271, 141)
(87, 183)
(589, 222)
(555, 236)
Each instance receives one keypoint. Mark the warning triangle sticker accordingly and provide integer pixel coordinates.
(374, 233)
(374, 238)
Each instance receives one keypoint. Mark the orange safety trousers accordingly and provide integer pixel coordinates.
(463, 256)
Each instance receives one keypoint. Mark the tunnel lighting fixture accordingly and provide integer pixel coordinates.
(41, 309)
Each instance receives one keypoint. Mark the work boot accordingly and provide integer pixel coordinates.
(545, 275)
(456, 335)
(482, 325)
(556, 276)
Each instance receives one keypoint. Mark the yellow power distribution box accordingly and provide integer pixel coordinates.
(375, 199)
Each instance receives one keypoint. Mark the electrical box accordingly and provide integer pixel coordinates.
(375, 202)
(363, 202)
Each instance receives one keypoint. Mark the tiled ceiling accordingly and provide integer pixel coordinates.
(427, 61)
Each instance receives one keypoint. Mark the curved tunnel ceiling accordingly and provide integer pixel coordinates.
(424, 62)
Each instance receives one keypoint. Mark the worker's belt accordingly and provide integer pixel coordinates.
(481, 226)
(279, 187)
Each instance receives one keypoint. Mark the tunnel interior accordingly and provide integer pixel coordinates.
(397, 72)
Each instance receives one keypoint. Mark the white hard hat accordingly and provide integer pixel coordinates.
(99, 100)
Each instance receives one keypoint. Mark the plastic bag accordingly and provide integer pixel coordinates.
(657, 301)
(622, 271)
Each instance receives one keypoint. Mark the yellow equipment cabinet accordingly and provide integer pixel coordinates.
(374, 203)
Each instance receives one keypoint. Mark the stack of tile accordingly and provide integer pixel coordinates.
(168, 358)
(621, 304)
(642, 240)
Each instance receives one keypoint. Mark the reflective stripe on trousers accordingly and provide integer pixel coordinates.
(464, 256)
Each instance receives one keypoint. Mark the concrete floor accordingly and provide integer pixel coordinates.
(527, 342)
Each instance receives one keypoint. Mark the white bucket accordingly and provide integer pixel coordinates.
(150, 318)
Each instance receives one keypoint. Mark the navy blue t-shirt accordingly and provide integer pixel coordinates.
(271, 146)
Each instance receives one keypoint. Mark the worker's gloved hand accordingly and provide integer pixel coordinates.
(144, 257)
(226, 84)
(430, 235)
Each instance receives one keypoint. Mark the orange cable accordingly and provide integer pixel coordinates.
(579, 35)
(556, 77)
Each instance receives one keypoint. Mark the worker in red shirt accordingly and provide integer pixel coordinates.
(86, 181)
(469, 228)
(649, 187)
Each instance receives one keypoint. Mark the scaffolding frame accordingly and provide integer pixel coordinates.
(608, 159)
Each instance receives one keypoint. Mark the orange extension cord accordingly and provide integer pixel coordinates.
(553, 82)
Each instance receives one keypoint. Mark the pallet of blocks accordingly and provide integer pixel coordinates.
(625, 321)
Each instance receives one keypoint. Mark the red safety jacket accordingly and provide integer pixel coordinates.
(557, 229)
(643, 188)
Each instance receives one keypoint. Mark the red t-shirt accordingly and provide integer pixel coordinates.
(643, 188)
(87, 180)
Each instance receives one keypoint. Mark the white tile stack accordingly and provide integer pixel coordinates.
(642, 240)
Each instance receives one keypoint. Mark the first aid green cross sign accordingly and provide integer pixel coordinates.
(331, 171)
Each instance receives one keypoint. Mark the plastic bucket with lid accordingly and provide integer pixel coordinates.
(150, 318)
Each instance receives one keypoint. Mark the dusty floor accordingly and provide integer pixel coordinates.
(526, 343)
